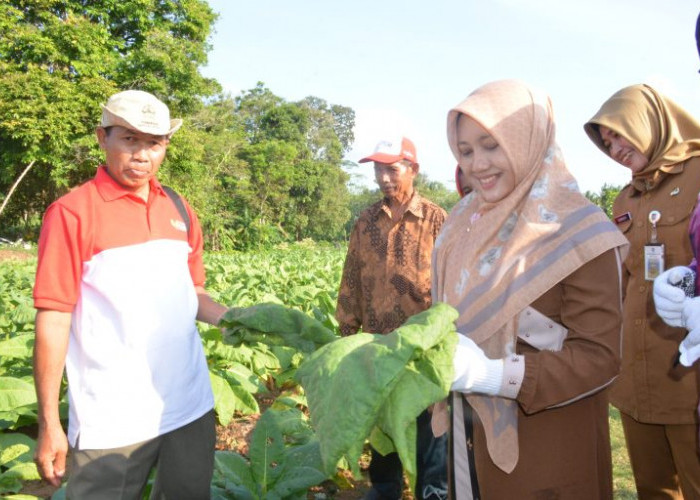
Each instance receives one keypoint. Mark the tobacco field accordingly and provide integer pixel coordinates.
(283, 302)
(246, 366)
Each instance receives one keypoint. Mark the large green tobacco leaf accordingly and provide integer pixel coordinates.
(16, 449)
(18, 417)
(231, 398)
(300, 470)
(257, 357)
(275, 324)
(15, 392)
(16, 461)
(232, 475)
(277, 469)
(19, 346)
(283, 471)
(367, 380)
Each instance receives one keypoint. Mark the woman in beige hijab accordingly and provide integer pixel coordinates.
(533, 269)
(659, 142)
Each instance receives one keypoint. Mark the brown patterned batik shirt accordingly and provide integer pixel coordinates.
(386, 277)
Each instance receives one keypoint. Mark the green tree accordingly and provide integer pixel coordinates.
(436, 192)
(203, 165)
(60, 59)
(294, 186)
(605, 198)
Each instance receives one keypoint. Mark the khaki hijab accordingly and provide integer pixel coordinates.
(491, 261)
(655, 125)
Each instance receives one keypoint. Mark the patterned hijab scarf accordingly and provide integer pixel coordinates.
(655, 125)
(492, 260)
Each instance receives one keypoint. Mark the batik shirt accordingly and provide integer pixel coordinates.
(386, 277)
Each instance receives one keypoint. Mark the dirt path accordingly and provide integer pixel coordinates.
(8, 254)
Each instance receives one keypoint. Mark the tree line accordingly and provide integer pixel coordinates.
(257, 168)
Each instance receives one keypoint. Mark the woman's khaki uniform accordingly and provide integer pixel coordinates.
(570, 442)
(535, 277)
(650, 388)
(656, 396)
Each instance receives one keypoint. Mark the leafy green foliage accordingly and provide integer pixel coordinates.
(16, 306)
(401, 373)
(16, 462)
(17, 395)
(284, 461)
(605, 198)
(277, 325)
(303, 276)
(230, 397)
(60, 59)
(282, 275)
(293, 186)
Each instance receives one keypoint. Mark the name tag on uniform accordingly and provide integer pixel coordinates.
(623, 218)
(653, 260)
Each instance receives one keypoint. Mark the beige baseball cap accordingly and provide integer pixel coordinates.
(141, 111)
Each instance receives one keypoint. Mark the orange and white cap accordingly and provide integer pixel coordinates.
(393, 150)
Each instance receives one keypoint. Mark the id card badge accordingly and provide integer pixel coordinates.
(653, 260)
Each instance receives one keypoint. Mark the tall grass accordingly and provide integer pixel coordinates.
(623, 479)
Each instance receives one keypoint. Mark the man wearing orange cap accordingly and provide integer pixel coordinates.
(386, 279)
(119, 284)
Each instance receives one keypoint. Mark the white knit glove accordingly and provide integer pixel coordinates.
(474, 372)
(669, 299)
(690, 346)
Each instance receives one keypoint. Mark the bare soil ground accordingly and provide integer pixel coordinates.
(8, 254)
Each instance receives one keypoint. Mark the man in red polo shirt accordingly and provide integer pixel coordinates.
(119, 284)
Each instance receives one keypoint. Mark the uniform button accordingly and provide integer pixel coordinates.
(637, 322)
(512, 381)
(527, 334)
(639, 356)
(642, 288)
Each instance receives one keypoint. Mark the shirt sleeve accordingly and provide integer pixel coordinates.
(349, 309)
(196, 242)
(588, 304)
(60, 263)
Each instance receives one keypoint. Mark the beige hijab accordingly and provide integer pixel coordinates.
(491, 261)
(655, 125)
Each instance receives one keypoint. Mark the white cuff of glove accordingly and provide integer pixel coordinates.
(474, 372)
(669, 299)
(490, 380)
(690, 348)
(691, 314)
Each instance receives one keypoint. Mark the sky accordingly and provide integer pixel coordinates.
(401, 65)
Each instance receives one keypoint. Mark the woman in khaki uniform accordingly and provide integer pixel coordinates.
(533, 269)
(660, 143)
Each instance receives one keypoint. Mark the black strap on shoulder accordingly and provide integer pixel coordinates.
(177, 200)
